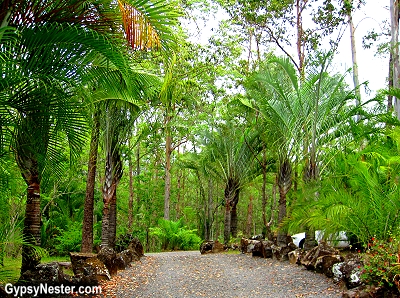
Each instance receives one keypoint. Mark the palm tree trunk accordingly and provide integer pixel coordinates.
(131, 195)
(112, 225)
(167, 188)
(227, 222)
(284, 184)
(31, 231)
(354, 58)
(108, 190)
(87, 225)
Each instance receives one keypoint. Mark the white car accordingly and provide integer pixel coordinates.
(338, 240)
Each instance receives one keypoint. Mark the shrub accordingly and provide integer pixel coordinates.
(175, 236)
(69, 240)
(381, 263)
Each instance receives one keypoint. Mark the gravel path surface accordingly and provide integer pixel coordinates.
(190, 274)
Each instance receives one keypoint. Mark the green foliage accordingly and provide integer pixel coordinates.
(70, 239)
(175, 236)
(381, 263)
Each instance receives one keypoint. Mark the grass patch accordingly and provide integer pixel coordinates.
(12, 268)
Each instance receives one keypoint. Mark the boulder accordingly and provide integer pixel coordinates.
(136, 247)
(244, 242)
(267, 246)
(77, 260)
(93, 272)
(108, 256)
(123, 259)
(351, 270)
(206, 247)
(218, 247)
(324, 264)
(258, 249)
(50, 273)
(367, 291)
(295, 256)
(310, 258)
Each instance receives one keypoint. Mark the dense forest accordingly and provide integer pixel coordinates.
(116, 121)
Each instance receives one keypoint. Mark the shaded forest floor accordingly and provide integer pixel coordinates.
(190, 274)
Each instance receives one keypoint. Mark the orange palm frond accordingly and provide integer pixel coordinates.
(140, 34)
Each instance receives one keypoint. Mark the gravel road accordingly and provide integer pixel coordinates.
(190, 274)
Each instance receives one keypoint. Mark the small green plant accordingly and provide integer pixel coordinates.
(175, 236)
(381, 263)
(69, 240)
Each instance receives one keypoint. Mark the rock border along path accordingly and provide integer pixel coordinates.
(190, 274)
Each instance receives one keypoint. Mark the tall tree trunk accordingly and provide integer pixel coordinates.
(112, 226)
(31, 231)
(356, 81)
(131, 194)
(234, 219)
(167, 189)
(227, 222)
(209, 210)
(87, 225)
(108, 191)
(390, 97)
(394, 16)
(249, 223)
(300, 36)
(284, 184)
(264, 189)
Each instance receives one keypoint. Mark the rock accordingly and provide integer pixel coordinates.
(367, 292)
(280, 253)
(258, 249)
(50, 273)
(337, 272)
(218, 247)
(324, 264)
(351, 270)
(77, 260)
(94, 271)
(108, 256)
(295, 256)
(310, 258)
(136, 247)
(267, 246)
(123, 259)
(206, 247)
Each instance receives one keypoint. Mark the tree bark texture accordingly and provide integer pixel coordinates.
(284, 184)
(394, 44)
(231, 200)
(87, 225)
(31, 231)
(167, 189)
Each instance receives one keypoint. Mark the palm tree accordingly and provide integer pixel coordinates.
(304, 116)
(146, 26)
(231, 153)
(44, 61)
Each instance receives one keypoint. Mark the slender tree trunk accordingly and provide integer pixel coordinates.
(300, 36)
(284, 184)
(167, 189)
(31, 231)
(131, 195)
(390, 97)
(249, 222)
(227, 222)
(108, 192)
(87, 225)
(112, 227)
(264, 189)
(209, 209)
(356, 81)
(394, 13)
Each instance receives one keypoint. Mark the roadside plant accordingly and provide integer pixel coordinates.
(381, 263)
(173, 235)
